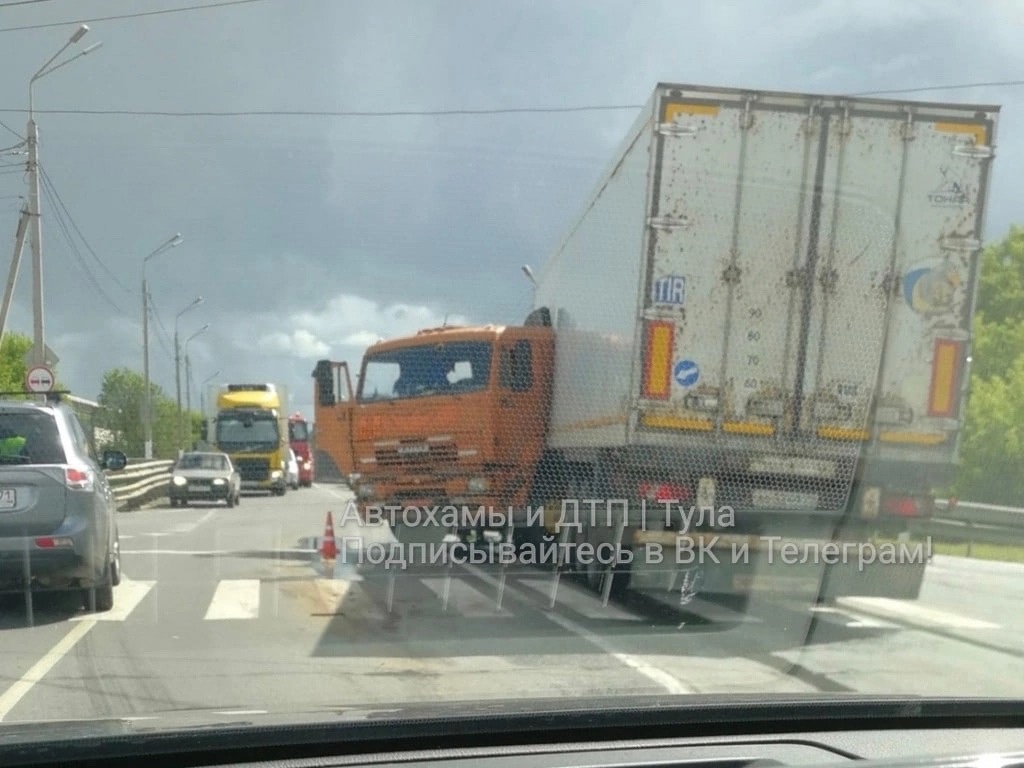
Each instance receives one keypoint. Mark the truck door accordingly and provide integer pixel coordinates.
(334, 407)
(772, 243)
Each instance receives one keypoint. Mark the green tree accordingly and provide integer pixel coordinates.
(993, 446)
(122, 401)
(13, 349)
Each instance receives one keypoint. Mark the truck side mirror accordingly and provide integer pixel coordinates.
(324, 375)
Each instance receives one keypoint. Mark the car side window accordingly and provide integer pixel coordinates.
(81, 440)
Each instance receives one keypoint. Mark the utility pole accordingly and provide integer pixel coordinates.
(12, 277)
(177, 360)
(147, 395)
(34, 213)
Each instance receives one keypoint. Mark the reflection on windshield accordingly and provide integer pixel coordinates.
(202, 461)
(428, 369)
(239, 433)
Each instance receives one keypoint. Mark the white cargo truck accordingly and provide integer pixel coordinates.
(745, 366)
(765, 310)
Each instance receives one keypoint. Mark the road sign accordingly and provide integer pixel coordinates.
(39, 379)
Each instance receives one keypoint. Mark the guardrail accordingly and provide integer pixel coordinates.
(970, 523)
(140, 482)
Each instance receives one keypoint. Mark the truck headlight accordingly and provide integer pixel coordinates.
(307, 465)
(477, 485)
(276, 474)
(219, 481)
(178, 480)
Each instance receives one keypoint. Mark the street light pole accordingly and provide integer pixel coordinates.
(147, 395)
(34, 210)
(202, 392)
(188, 376)
(177, 360)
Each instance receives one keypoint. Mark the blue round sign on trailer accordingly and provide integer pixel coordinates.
(686, 373)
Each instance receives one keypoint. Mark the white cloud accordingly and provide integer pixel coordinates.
(299, 343)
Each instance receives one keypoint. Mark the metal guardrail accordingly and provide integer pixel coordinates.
(970, 523)
(140, 482)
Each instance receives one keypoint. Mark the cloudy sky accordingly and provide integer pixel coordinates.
(310, 235)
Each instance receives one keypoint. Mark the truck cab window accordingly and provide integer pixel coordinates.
(517, 367)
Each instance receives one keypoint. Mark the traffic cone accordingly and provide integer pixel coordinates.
(328, 548)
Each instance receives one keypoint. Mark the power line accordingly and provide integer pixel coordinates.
(11, 130)
(23, 2)
(139, 15)
(62, 225)
(328, 113)
(451, 112)
(88, 247)
(956, 87)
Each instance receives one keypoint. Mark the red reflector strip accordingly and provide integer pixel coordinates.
(658, 346)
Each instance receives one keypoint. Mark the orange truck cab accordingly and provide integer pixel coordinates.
(452, 416)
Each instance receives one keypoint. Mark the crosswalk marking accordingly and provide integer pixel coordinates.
(127, 596)
(913, 613)
(717, 614)
(457, 596)
(239, 599)
(574, 599)
(235, 599)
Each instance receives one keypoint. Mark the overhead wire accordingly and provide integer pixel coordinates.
(138, 15)
(454, 112)
(88, 247)
(48, 192)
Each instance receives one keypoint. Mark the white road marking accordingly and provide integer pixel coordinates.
(853, 619)
(574, 599)
(913, 613)
(127, 596)
(659, 676)
(235, 599)
(459, 597)
(10, 698)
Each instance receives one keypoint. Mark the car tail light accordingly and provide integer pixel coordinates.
(78, 479)
(908, 506)
(54, 542)
(661, 492)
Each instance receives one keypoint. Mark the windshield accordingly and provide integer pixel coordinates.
(426, 369)
(247, 433)
(667, 349)
(203, 461)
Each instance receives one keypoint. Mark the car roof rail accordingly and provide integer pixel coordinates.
(54, 396)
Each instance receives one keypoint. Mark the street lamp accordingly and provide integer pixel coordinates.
(147, 417)
(39, 344)
(177, 359)
(188, 374)
(202, 392)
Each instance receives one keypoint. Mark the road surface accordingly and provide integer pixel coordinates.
(232, 611)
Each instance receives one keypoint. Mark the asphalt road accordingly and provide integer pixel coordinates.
(232, 611)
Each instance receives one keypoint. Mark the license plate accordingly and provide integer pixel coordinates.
(8, 498)
(793, 465)
(765, 497)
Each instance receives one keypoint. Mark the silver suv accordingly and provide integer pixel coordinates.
(58, 526)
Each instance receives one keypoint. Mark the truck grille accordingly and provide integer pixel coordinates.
(253, 469)
(415, 455)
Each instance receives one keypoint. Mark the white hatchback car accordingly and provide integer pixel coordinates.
(291, 473)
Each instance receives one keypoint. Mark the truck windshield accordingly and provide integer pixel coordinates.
(426, 369)
(247, 432)
(298, 431)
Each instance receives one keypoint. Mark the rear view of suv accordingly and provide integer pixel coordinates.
(58, 525)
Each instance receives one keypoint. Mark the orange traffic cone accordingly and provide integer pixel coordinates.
(328, 548)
